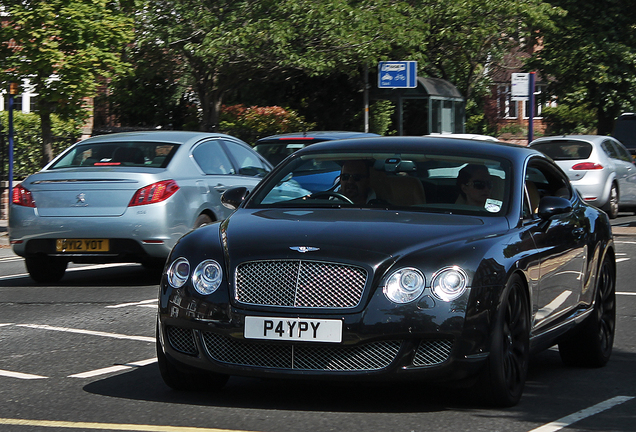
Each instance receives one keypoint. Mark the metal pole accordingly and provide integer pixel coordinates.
(400, 116)
(13, 89)
(366, 98)
(531, 109)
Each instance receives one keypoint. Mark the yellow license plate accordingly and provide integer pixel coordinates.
(82, 245)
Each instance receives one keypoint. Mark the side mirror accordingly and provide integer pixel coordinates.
(551, 206)
(234, 197)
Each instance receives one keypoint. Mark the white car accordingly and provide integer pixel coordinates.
(599, 167)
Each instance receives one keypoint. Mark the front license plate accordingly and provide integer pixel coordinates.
(82, 245)
(293, 329)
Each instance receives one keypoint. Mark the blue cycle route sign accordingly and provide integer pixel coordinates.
(397, 74)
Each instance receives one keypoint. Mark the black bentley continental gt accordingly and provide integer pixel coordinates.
(417, 258)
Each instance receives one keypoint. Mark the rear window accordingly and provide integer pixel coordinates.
(130, 154)
(564, 149)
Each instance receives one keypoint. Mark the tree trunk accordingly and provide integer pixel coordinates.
(605, 122)
(47, 137)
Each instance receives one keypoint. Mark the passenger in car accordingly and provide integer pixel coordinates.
(355, 183)
(474, 184)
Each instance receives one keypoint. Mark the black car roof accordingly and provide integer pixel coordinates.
(434, 144)
(316, 136)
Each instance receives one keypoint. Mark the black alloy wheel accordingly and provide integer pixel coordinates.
(504, 376)
(591, 346)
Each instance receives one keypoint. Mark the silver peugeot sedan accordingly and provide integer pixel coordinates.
(599, 167)
(126, 197)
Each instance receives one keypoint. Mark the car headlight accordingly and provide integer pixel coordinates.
(207, 277)
(178, 272)
(404, 285)
(449, 283)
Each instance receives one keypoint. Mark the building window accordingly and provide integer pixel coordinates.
(506, 106)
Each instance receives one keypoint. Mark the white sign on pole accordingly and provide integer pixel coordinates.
(519, 90)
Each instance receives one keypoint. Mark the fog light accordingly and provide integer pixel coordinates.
(404, 285)
(178, 272)
(207, 277)
(449, 283)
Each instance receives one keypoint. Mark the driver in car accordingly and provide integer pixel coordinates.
(355, 183)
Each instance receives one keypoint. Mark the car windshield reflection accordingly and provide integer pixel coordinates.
(418, 182)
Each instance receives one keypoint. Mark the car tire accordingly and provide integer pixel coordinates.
(504, 376)
(611, 207)
(45, 269)
(191, 380)
(203, 219)
(591, 345)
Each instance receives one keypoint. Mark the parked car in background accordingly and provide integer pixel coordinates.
(125, 197)
(275, 148)
(599, 167)
(415, 259)
(625, 131)
(467, 136)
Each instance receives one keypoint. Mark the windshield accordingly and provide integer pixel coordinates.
(105, 154)
(564, 149)
(419, 182)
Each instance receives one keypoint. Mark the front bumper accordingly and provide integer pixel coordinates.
(210, 337)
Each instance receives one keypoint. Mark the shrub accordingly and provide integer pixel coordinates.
(27, 141)
(252, 123)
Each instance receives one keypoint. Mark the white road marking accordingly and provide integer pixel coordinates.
(577, 416)
(20, 375)
(72, 269)
(622, 259)
(10, 259)
(139, 303)
(115, 368)
(6, 324)
(89, 332)
(626, 293)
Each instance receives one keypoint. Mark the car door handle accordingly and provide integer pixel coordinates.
(220, 188)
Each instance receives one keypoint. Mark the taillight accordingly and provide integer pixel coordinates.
(583, 166)
(22, 196)
(154, 193)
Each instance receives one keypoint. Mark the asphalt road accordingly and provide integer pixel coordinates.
(80, 355)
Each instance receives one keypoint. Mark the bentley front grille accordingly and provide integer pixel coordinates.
(297, 283)
(432, 352)
(365, 357)
(182, 340)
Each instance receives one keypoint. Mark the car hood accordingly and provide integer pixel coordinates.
(345, 235)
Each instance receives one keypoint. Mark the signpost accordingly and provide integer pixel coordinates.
(397, 74)
(522, 89)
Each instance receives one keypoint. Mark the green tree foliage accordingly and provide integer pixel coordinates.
(226, 44)
(27, 141)
(63, 47)
(590, 53)
(290, 46)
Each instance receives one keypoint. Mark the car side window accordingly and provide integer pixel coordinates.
(212, 159)
(623, 154)
(609, 149)
(543, 179)
(248, 161)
